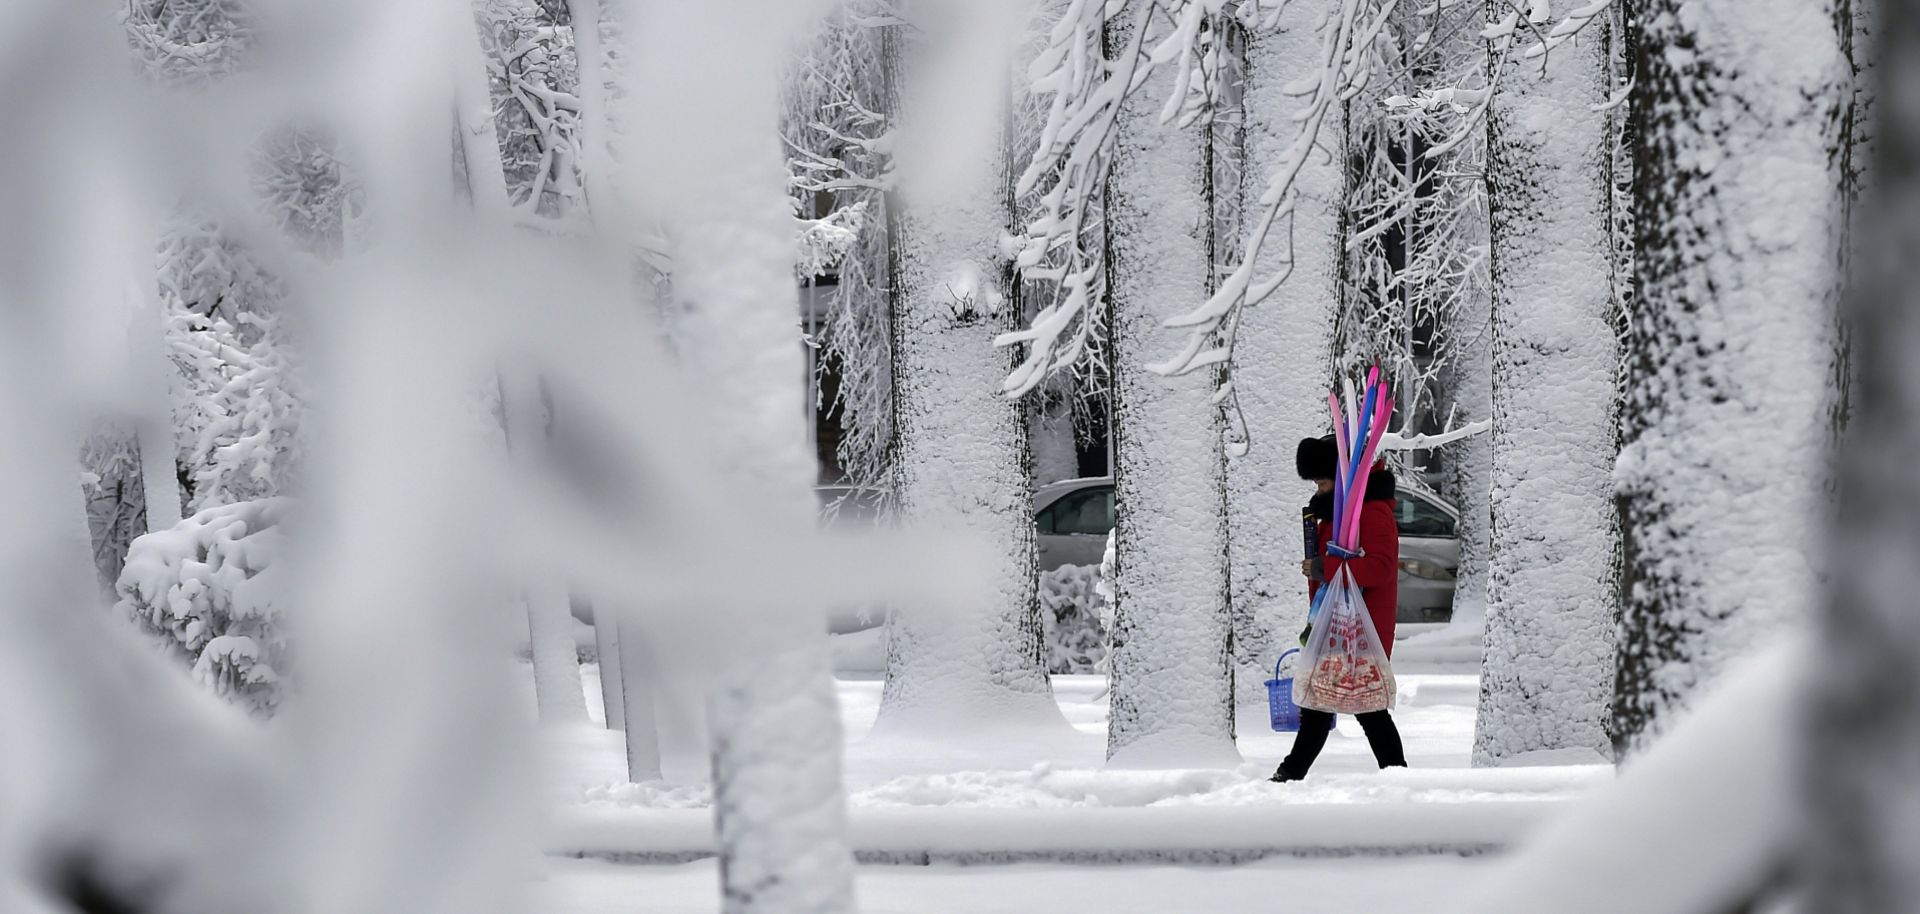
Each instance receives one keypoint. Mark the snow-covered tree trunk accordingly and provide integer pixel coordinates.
(961, 463)
(479, 139)
(594, 133)
(1862, 745)
(1738, 110)
(1861, 32)
(636, 673)
(606, 647)
(1171, 665)
(147, 338)
(1281, 355)
(556, 661)
(1469, 467)
(779, 813)
(626, 685)
(1547, 677)
(1863, 122)
(1056, 450)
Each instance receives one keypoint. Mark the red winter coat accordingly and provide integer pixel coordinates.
(1378, 571)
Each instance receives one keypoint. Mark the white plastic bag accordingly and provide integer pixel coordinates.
(1344, 667)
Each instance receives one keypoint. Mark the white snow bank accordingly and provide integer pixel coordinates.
(1048, 787)
(1372, 886)
(1133, 835)
(1700, 819)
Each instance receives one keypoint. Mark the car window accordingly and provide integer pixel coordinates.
(1088, 511)
(1420, 517)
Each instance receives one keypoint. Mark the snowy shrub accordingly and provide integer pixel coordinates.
(241, 409)
(237, 394)
(1070, 614)
(208, 590)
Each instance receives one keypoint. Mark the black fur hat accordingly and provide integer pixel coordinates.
(1316, 458)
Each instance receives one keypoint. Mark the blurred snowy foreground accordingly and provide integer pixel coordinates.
(1408, 831)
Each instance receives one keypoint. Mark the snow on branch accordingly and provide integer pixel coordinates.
(1417, 254)
(1567, 28)
(840, 168)
(825, 242)
(1061, 247)
(1394, 441)
(1344, 58)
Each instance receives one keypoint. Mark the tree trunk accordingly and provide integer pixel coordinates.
(1732, 346)
(594, 132)
(1547, 677)
(606, 647)
(639, 707)
(159, 476)
(1171, 665)
(1281, 356)
(1056, 450)
(556, 661)
(1469, 468)
(779, 813)
(1864, 719)
(961, 462)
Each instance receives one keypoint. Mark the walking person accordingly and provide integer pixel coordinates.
(1376, 570)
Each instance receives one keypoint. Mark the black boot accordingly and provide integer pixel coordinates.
(1281, 775)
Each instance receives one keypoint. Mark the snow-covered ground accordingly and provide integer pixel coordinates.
(1401, 886)
(1028, 794)
(1045, 806)
(1435, 716)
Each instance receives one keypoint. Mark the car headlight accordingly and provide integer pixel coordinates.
(1427, 570)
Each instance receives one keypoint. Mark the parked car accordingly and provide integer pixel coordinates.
(1072, 519)
(1429, 554)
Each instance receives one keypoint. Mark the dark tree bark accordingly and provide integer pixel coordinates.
(1732, 345)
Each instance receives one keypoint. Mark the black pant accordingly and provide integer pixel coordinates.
(1382, 736)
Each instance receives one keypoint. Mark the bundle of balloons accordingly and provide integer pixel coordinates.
(1345, 663)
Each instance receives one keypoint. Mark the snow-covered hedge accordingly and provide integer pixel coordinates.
(209, 590)
(1070, 613)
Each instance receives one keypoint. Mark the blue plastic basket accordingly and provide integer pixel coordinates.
(1280, 707)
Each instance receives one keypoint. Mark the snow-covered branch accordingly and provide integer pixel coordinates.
(840, 164)
(1394, 441)
(1343, 65)
(1069, 168)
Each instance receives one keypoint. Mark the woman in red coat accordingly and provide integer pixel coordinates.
(1377, 570)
